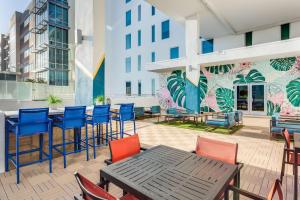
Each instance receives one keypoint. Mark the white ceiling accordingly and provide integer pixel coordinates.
(222, 17)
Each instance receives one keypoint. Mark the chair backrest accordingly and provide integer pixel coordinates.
(218, 150)
(91, 191)
(101, 113)
(287, 138)
(238, 116)
(124, 148)
(172, 111)
(275, 118)
(127, 111)
(33, 121)
(276, 189)
(230, 117)
(74, 117)
(155, 109)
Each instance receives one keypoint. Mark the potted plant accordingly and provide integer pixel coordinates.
(54, 101)
(99, 100)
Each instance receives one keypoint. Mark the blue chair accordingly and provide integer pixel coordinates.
(126, 113)
(238, 117)
(101, 115)
(74, 118)
(228, 121)
(278, 124)
(29, 123)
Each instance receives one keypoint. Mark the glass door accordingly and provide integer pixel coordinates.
(242, 94)
(250, 98)
(258, 103)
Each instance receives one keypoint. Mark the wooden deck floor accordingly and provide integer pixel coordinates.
(262, 159)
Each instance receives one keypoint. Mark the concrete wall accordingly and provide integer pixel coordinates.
(115, 49)
(258, 37)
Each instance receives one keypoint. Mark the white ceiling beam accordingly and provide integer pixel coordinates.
(214, 11)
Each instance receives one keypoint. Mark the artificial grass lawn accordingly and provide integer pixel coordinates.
(201, 126)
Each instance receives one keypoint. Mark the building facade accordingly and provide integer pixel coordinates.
(137, 33)
(254, 69)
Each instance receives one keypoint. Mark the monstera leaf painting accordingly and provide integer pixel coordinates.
(176, 87)
(254, 76)
(283, 64)
(202, 86)
(272, 108)
(224, 98)
(220, 69)
(293, 92)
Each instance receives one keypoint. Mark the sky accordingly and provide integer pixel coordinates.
(7, 8)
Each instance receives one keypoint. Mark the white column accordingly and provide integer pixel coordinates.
(192, 50)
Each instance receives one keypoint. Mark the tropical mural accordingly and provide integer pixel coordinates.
(216, 85)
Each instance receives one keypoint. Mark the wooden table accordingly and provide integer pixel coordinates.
(297, 151)
(167, 173)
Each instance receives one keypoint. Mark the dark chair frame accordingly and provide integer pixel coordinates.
(85, 191)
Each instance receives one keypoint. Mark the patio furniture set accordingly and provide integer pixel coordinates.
(163, 172)
(40, 121)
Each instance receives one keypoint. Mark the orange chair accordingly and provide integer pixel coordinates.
(288, 153)
(276, 189)
(217, 150)
(91, 191)
(124, 148)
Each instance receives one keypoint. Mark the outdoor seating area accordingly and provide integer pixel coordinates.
(129, 161)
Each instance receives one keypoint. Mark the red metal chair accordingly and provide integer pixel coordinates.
(124, 148)
(91, 191)
(288, 153)
(276, 189)
(218, 150)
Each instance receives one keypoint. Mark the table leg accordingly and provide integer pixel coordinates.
(75, 130)
(296, 174)
(226, 194)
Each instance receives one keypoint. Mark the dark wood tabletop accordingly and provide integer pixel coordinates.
(167, 173)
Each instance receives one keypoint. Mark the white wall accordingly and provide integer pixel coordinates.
(229, 42)
(295, 29)
(115, 49)
(267, 35)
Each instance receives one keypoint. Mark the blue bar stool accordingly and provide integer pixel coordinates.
(29, 123)
(101, 115)
(126, 113)
(74, 118)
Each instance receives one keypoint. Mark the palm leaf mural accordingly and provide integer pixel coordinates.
(254, 76)
(176, 87)
(283, 64)
(220, 69)
(272, 108)
(202, 86)
(225, 100)
(293, 92)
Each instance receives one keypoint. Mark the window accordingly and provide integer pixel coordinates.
(139, 88)
(128, 17)
(285, 31)
(153, 33)
(128, 88)
(139, 37)
(152, 10)
(127, 1)
(128, 64)
(139, 62)
(128, 41)
(153, 57)
(139, 12)
(248, 39)
(207, 46)
(165, 29)
(153, 86)
(174, 52)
